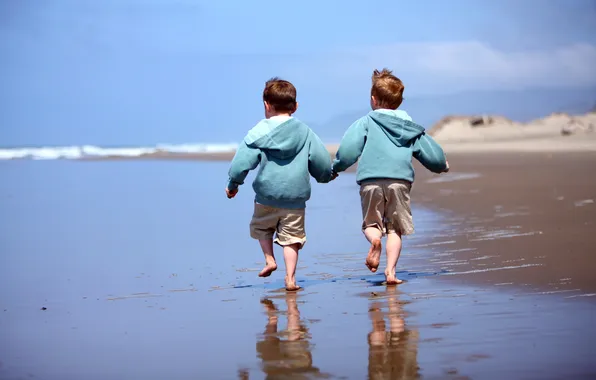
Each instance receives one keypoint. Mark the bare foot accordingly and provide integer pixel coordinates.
(291, 285)
(392, 278)
(269, 305)
(268, 269)
(374, 255)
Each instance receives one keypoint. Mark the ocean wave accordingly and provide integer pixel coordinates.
(91, 151)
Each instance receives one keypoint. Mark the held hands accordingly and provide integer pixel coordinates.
(334, 175)
(231, 193)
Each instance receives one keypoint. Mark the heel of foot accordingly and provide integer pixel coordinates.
(291, 285)
(393, 281)
(374, 255)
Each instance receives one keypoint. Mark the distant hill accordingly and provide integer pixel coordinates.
(521, 106)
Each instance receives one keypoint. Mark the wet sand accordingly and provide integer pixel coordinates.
(145, 270)
(536, 211)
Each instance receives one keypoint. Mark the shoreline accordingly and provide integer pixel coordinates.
(505, 145)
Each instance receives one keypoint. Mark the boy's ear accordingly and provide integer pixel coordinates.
(296, 108)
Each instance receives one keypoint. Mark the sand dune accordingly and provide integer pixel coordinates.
(556, 132)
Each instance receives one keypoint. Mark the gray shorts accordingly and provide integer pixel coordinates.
(386, 206)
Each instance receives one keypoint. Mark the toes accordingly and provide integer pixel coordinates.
(292, 287)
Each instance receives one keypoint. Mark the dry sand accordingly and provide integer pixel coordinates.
(554, 133)
(489, 128)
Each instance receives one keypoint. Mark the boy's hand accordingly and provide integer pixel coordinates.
(334, 175)
(231, 193)
(447, 168)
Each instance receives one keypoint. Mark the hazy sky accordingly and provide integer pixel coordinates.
(117, 72)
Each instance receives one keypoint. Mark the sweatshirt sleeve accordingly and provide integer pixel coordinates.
(429, 153)
(245, 160)
(319, 160)
(351, 146)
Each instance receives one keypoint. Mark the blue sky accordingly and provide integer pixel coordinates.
(119, 72)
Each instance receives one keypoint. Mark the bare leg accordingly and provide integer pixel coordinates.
(270, 264)
(396, 320)
(377, 336)
(393, 252)
(373, 235)
(293, 317)
(271, 310)
(291, 260)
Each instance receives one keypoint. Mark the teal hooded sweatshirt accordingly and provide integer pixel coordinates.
(288, 153)
(385, 142)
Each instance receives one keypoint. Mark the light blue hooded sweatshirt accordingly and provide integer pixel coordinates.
(385, 142)
(288, 153)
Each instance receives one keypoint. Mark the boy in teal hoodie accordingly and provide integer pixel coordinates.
(288, 153)
(385, 140)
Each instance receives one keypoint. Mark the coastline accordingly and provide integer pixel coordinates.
(585, 142)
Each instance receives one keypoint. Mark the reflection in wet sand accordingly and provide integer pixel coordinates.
(286, 353)
(392, 351)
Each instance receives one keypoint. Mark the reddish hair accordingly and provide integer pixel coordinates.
(387, 89)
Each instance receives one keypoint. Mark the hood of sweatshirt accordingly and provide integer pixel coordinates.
(281, 138)
(397, 126)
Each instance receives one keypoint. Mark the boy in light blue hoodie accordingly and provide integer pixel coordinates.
(385, 140)
(288, 153)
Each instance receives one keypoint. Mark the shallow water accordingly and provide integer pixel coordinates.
(146, 270)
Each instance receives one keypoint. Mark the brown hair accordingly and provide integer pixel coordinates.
(387, 89)
(280, 94)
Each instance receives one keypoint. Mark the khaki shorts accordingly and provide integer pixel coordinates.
(386, 206)
(287, 224)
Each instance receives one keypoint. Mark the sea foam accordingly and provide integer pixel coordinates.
(91, 151)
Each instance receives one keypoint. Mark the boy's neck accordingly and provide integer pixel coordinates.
(283, 114)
